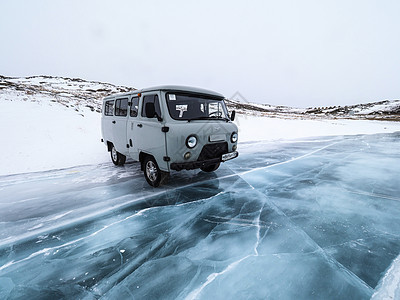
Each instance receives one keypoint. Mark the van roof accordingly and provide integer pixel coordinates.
(173, 88)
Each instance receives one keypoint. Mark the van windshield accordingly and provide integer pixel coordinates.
(195, 107)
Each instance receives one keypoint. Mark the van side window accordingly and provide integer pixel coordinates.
(108, 108)
(134, 106)
(154, 99)
(121, 107)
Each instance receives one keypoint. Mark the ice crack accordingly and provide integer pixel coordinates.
(194, 294)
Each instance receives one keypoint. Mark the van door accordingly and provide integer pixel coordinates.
(131, 129)
(106, 120)
(119, 125)
(148, 132)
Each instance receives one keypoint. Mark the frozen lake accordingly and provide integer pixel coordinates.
(306, 219)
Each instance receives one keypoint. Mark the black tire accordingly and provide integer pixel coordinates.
(117, 158)
(152, 172)
(210, 168)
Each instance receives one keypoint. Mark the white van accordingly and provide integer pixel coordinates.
(169, 128)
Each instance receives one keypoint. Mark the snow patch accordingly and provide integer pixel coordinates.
(389, 286)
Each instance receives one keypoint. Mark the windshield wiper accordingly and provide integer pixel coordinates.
(209, 118)
(199, 118)
(220, 118)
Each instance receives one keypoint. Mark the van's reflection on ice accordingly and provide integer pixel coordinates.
(311, 219)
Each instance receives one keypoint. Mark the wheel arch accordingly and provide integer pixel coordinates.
(109, 146)
(142, 156)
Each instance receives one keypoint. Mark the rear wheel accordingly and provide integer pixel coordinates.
(154, 176)
(117, 158)
(210, 168)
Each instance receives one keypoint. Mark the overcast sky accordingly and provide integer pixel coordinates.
(297, 53)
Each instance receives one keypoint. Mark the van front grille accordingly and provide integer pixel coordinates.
(210, 151)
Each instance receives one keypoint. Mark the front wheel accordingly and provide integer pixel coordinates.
(117, 158)
(210, 168)
(154, 176)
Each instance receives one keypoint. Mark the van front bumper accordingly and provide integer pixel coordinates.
(190, 165)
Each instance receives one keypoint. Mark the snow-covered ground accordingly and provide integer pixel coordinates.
(44, 135)
(253, 128)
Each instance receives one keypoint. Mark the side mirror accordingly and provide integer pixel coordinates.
(233, 115)
(150, 110)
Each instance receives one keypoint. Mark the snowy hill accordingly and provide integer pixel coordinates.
(69, 92)
(383, 110)
(53, 122)
(78, 94)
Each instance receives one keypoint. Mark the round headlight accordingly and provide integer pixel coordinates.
(191, 141)
(234, 137)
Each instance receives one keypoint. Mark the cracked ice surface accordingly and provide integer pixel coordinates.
(306, 219)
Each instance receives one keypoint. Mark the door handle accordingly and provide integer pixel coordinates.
(139, 125)
(113, 122)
